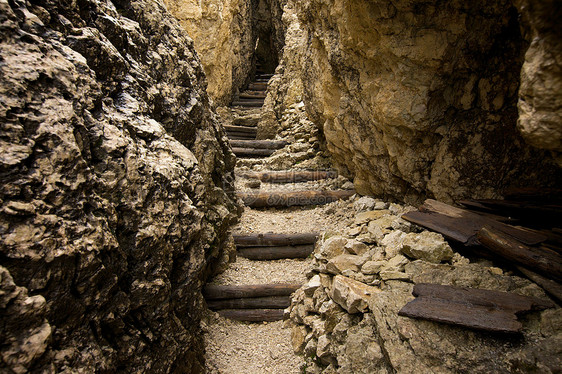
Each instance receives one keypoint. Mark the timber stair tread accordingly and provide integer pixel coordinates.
(270, 199)
(250, 303)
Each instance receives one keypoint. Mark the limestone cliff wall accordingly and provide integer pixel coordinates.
(113, 172)
(224, 39)
(418, 98)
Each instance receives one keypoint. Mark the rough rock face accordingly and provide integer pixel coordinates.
(540, 94)
(113, 173)
(419, 99)
(345, 319)
(224, 40)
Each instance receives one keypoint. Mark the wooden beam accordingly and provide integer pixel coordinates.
(253, 315)
(266, 302)
(252, 152)
(295, 176)
(276, 253)
(286, 199)
(215, 292)
(546, 263)
(273, 240)
(260, 144)
(551, 287)
(241, 129)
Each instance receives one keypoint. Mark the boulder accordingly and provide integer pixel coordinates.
(351, 295)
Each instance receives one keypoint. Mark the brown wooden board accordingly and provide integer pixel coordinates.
(462, 225)
(473, 308)
(295, 176)
(486, 298)
(252, 152)
(259, 144)
(276, 253)
(253, 315)
(214, 292)
(551, 287)
(241, 129)
(287, 199)
(272, 240)
(545, 262)
(266, 302)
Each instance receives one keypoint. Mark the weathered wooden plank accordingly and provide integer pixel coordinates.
(472, 316)
(241, 129)
(240, 137)
(251, 96)
(546, 263)
(252, 152)
(551, 287)
(214, 292)
(248, 103)
(261, 144)
(266, 302)
(294, 176)
(286, 199)
(485, 298)
(276, 253)
(531, 212)
(273, 240)
(253, 315)
(462, 225)
(257, 86)
(474, 308)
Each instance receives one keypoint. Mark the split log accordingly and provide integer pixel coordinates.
(240, 137)
(257, 86)
(241, 129)
(287, 199)
(290, 176)
(214, 292)
(273, 240)
(251, 96)
(261, 144)
(546, 263)
(551, 287)
(266, 302)
(478, 309)
(253, 315)
(252, 152)
(276, 253)
(528, 211)
(462, 225)
(248, 103)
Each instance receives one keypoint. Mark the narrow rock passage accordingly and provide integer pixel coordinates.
(239, 347)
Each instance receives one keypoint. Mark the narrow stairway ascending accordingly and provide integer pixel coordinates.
(281, 222)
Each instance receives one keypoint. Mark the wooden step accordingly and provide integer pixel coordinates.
(241, 137)
(252, 152)
(265, 302)
(259, 144)
(289, 176)
(248, 103)
(217, 292)
(241, 129)
(276, 253)
(287, 199)
(255, 86)
(253, 315)
(252, 95)
(273, 240)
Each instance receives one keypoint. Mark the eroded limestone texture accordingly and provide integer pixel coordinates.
(113, 174)
(222, 32)
(540, 95)
(419, 99)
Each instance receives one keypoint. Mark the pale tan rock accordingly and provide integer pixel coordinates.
(392, 243)
(428, 246)
(344, 262)
(298, 335)
(356, 247)
(393, 274)
(371, 215)
(312, 285)
(351, 295)
(332, 247)
(372, 267)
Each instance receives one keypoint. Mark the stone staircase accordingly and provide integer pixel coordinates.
(266, 302)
